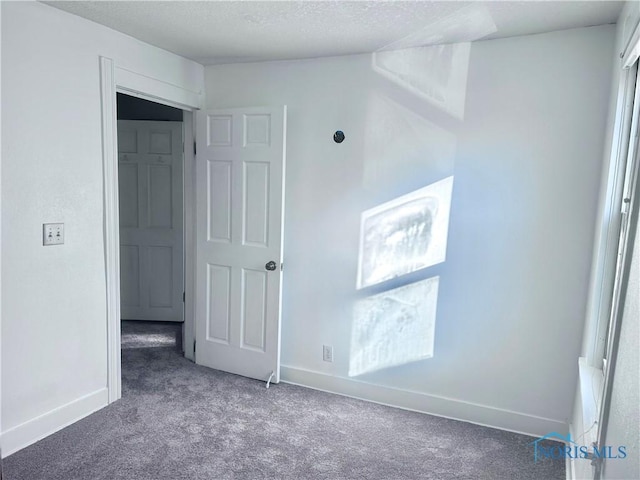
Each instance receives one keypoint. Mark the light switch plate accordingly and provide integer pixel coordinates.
(52, 234)
(327, 353)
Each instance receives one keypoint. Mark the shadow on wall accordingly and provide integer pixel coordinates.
(403, 238)
(133, 108)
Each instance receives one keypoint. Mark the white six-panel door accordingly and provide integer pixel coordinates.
(151, 211)
(239, 197)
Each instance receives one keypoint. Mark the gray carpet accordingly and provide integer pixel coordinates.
(137, 334)
(178, 420)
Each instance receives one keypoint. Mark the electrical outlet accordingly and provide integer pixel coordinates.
(52, 234)
(327, 353)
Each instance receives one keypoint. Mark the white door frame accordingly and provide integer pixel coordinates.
(113, 80)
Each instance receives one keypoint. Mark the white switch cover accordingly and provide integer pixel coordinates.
(52, 234)
(327, 353)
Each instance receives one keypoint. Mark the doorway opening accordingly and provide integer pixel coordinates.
(151, 224)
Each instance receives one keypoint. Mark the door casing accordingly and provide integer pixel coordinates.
(115, 80)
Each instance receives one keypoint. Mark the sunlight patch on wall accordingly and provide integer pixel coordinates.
(433, 62)
(405, 234)
(402, 147)
(437, 74)
(467, 24)
(394, 327)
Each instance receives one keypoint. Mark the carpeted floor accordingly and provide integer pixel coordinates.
(136, 334)
(178, 420)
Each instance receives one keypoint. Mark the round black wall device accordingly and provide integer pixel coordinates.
(338, 137)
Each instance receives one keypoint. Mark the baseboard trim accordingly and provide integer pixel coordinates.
(451, 408)
(570, 466)
(29, 432)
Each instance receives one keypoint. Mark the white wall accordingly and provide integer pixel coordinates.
(526, 158)
(53, 311)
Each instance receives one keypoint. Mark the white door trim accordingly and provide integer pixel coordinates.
(111, 224)
(155, 90)
(189, 205)
(112, 80)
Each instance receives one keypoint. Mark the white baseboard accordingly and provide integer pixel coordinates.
(569, 468)
(29, 432)
(424, 403)
(568, 462)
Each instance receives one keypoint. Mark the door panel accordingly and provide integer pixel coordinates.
(151, 211)
(129, 276)
(160, 277)
(219, 313)
(160, 196)
(219, 191)
(239, 191)
(256, 203)
(254, 301)
(128, 186)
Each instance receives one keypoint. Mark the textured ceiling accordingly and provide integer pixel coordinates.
(213, 32)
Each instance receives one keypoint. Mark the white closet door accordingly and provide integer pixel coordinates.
(151, 210)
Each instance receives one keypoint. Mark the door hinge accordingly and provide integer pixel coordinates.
(194, 349)
(195, 150)
(183, 296)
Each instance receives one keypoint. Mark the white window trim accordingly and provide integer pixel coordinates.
(630, 202)
(610, 272)
(607, 241)
(632, 50)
